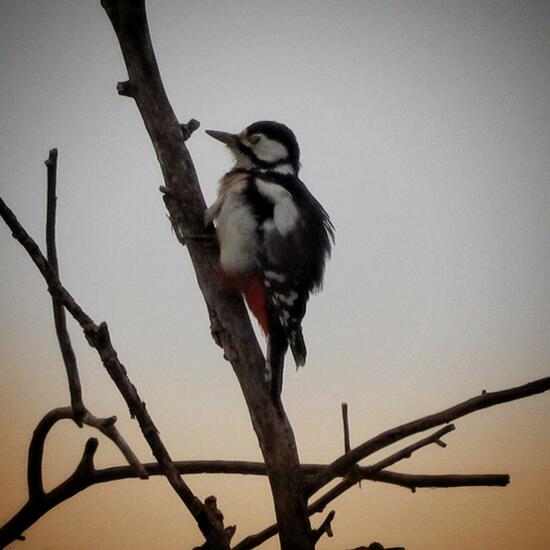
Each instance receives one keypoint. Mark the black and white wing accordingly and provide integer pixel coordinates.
(296, 234)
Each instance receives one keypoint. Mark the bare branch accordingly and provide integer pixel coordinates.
(45, 268)
(353, 476)
(39, 502)
(341, 465)
(107, 427)
(325, 527)
(186, 206)
(187, 467)
(189, 128)
(98, 337)
(409, 450)
(67, 352)
(345, 422)
(418, 481)
(36, 447)
(236, 467)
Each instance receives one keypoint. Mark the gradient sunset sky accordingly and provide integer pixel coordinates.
(425, 132)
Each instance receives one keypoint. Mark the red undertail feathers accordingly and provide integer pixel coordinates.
(252, 287)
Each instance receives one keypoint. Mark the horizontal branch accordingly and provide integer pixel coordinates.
(422, 481)
(236, 467)
(341, 465)
(29, 514)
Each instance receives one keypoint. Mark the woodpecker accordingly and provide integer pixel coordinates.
(274, 237)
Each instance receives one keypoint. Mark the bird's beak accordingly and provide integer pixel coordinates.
(224, 137)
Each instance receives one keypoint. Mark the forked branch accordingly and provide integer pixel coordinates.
(39, 502)
(341, 465)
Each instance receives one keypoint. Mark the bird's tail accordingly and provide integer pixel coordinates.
(277, 344)
(298, 346)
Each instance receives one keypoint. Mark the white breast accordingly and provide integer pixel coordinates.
(236, 228)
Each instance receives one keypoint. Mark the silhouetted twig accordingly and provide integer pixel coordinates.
(69, 358)
(341, 465)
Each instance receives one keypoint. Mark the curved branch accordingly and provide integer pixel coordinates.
(36, 448)
(39, 501)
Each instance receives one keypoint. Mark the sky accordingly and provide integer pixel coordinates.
(424, 130)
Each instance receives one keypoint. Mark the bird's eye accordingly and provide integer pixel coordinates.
(254, 138)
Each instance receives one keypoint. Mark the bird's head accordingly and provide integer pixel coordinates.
(264, 145)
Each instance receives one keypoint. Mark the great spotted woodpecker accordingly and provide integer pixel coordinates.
(274, 237)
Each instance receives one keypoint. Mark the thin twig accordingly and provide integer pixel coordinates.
(345, 422)
(67, 352)
(356, 474)
(274, 432)
(341, 465)
(325, 527)
(81, 414)
(36, 448)
(431, 481)
(409, 450)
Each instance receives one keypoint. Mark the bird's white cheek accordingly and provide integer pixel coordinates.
(270, 151)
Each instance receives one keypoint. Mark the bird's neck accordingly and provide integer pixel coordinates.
(244, 163)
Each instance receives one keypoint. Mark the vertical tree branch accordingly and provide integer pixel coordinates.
(69, 358)
(186, 208)
(345, 422)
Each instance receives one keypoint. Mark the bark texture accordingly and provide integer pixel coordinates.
(228, 315)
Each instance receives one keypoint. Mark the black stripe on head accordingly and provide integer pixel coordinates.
(258, 161)
(278, 132)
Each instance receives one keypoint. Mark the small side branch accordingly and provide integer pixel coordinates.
(341, 465)
(409, 450)
(345, 423)
(357, 474)
(325, 527)
(39, 502)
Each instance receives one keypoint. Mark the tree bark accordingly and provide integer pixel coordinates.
(230, 321)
